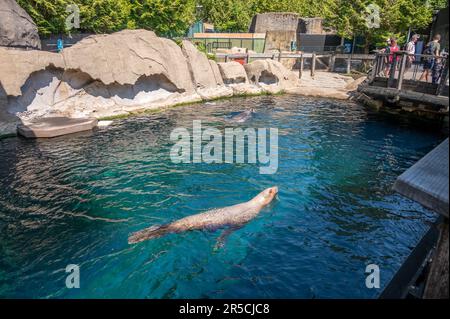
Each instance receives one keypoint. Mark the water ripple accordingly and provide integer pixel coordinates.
(75, 200)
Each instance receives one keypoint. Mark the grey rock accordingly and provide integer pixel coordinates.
(17, 29)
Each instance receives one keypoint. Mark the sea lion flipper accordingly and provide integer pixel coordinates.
(224, 235)
(151, 232)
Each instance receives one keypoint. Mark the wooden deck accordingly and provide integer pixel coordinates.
(427, 181)
(404, 87)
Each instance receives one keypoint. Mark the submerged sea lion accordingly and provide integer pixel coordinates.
(233, 216)
(243, 116)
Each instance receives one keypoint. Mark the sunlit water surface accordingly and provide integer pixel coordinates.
(75, 200)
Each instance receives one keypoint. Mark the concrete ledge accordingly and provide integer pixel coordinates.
(55, 126)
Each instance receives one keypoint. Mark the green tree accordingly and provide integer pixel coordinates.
(173, 17)
(49, 15)
(165, 17)
(104, 16)
(349, 18)
(227, 15)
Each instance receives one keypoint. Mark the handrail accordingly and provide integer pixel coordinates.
(397, 66)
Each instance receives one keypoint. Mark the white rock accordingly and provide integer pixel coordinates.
(104, 123)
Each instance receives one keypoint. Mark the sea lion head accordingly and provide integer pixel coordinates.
(267, 195)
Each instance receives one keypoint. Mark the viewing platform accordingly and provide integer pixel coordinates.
(402, 85)
(426, 182)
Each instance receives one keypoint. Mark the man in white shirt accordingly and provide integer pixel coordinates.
(411, 49)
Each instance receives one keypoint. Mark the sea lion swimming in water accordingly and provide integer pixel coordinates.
(233, 216)
(243, 116)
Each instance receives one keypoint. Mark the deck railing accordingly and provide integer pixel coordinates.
(418, 69)
(326, 61)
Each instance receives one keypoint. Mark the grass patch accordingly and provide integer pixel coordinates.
(114, 117)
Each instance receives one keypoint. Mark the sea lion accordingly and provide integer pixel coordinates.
(243, 116)
(233, 216)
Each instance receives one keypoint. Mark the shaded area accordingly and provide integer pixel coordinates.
(46, 89)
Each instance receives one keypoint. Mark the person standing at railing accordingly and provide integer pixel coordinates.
(391, 50)
(411, 49)
(431, 51)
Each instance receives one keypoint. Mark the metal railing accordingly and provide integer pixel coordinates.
(414, 69)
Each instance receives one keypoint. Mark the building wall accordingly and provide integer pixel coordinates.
(279, 40)
(274, 21)
(441, 26)
(212, 41)
(283, 28)
(310, 25)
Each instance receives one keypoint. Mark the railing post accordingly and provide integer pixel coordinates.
(444, 78)
(349, 65)
(279, 56)
(401, 72)
(300, 72)
(332, 61)
(380, 64)
(374, 72)
(313, 64)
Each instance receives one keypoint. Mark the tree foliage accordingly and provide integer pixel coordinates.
(165, 17)
(48, 15)
(173, 17)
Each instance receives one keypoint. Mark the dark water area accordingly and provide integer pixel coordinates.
(76, 199)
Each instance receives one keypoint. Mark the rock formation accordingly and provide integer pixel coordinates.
(234, 75)
(205, 73)
(121, 73)
(102, 75)
(199, 66)
(17, 29)
(233, 72)
(271, 76)
(325, 84)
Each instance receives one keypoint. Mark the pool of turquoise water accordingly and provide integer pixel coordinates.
(75, 200)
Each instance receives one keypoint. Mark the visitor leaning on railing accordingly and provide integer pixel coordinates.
(433, 49)
(384, 65)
